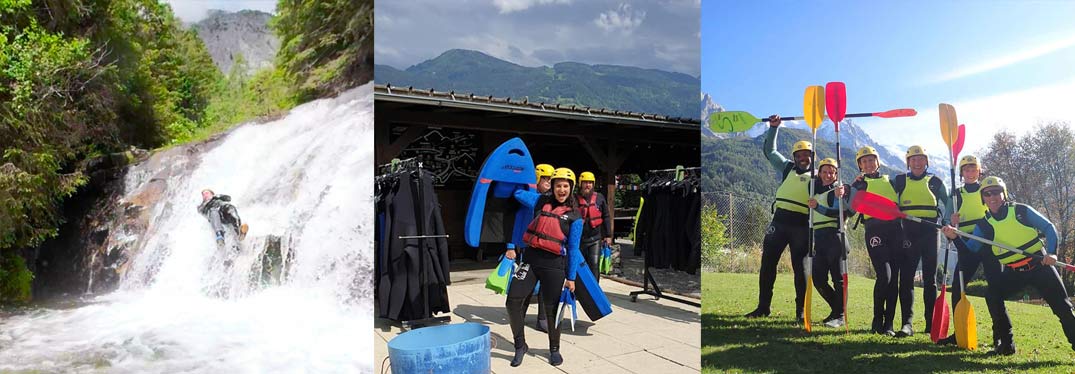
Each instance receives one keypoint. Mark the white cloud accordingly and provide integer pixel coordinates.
(1006, 59)
(622, 19)
(508, 6)
(1016, 111)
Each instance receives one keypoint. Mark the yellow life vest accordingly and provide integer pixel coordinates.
(1009, 231)
(971, 209)
(794, 192)
(916, 199)
(821, 220)
(881, 186)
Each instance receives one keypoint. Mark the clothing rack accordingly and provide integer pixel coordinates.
(416, 164)
(647, 277)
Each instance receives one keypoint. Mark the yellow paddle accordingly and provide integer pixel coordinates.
(966, 326)
(814, 109)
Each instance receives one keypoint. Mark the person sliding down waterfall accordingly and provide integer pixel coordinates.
(219, 211)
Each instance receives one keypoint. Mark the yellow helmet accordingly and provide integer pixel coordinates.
(969, 160)
(992, 181)
(564, 173)
(802, 145)
(828, 161)
(916, 150)
(587, 177)
(543, 170)
(866, 151)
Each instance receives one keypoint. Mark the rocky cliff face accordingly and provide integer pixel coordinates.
(228, 35)
(709, 107)
(106, 222)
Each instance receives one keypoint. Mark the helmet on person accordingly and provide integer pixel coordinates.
(543, 170)
(564, 173)
(802, 145)
(587, 177)
(992, 181)
(969, 160)
(827, 161)
(916, 150)
(867, 151)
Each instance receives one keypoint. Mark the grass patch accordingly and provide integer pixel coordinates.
(733, 344)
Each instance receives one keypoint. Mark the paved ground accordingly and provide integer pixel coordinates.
(667, 279)
(648, 336)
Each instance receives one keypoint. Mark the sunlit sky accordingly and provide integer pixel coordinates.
(1002, 64)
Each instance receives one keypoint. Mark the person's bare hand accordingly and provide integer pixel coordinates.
(774, 121)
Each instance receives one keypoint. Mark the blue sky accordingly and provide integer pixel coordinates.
(1002, 64)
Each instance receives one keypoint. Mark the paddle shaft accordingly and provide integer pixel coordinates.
(990, 242)
(840, 231)
(800, 118)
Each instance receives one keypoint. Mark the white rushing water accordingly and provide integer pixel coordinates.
(307, 178)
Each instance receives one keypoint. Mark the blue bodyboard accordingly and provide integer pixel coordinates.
(493, 215)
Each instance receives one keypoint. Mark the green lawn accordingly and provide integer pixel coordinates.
(733, 344)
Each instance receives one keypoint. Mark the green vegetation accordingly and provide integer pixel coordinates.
(325, 46)
(714, 237)
(733, 344)
(83, 78)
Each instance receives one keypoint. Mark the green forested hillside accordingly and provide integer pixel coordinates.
(738, 164)
(603, 86)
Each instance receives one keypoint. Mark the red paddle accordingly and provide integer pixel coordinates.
(836, 106)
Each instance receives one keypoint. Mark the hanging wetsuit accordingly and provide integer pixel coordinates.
(552, 244)
(596, 228)
(1019, 226)
(789, 228)
(884, 244)
(829, 249)
(924, 197)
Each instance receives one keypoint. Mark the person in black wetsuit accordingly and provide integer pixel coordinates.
(884, 241)
(219, 211)
(790, 224)
(544, 186)
(552, 240)
(923, 195)
(1017, 226)
(827, 244)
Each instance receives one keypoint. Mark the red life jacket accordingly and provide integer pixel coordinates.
(549, 229)
(589, 211)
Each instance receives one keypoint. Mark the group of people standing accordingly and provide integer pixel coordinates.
(981, 207)
(566, 225)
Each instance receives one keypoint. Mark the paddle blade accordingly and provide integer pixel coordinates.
(949, 124)
(814, 106)
(939, 326)
(896, 113)
(836, 102)
(876, 206)
(958, 145)
(808, 264)
(727, 122)
(966, 325)
(806, 305)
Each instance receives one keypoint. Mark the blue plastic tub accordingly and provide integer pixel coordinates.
(460, 348)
